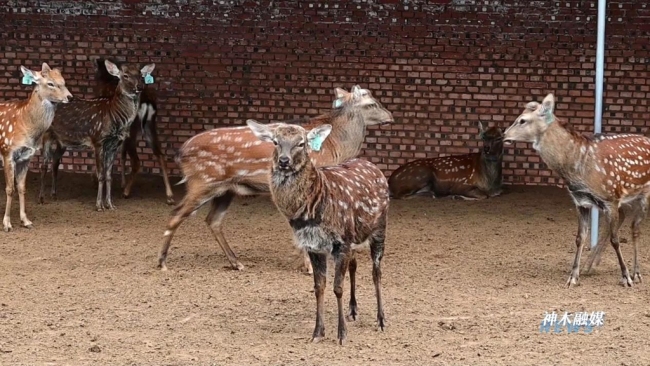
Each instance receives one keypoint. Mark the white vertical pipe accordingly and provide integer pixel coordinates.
(598, 115)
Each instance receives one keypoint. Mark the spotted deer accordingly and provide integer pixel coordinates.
(222, 163)
(471, 176)
(144, 123)
(332, 210)
(22, 124)
(606, 171)
(100, 123)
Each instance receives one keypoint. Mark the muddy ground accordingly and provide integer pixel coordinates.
(465, 283)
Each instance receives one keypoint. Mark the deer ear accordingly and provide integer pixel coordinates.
(481, 129)
(547, 107)
(112, 68)
(29, 76)
(340, 93)
(45, 68)
(316, 136)
(262, 132)
(148, 69)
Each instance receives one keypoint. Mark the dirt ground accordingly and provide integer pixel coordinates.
(465, 283)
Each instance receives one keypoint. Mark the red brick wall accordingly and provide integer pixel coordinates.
(439, 66)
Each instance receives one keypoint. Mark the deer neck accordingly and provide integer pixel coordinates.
(561, 150)
(40, 113)
(348, 133)
(291, 192)
(492, 168)
(123, 107)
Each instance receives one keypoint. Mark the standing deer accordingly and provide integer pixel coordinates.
(331, 210)
(145, 123)
(22, 124)
(226, 162)
(100, 123)
(605, 171)
(471, 176)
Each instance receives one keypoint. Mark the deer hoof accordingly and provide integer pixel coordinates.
(342, 341)
(7, 228)
(170, 201)
(237, 266)
(626, 281)
(571, 282)
(125, 195)
(316, 339)
(637, 277)
(28, 225)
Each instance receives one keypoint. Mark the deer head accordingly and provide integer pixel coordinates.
(131, 79)
(372, 111)
(50, 85)
(292, 143)
(532, 122)
(492, 141)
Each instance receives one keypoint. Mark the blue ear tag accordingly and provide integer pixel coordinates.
(316, 143)
(148, 79)
(27, 79)
(337, 103)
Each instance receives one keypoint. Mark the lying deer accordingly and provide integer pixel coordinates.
(22, 124)
(145, 123)
(331, 210)
(101, 123)
(226, 162)
(605, 171)
(471, 176)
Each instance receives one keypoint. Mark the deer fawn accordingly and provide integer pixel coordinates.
(608, 172)
(471, 176)
(226, 162)
(100, 123)
(22, 124)
(331, 210)
(145, 123)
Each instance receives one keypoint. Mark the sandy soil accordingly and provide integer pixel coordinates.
(465, 283)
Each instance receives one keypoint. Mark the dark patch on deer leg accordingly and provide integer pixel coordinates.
(56, 162)
(150, 134)
(168, 187)
(123, 163)
(9, 189)
(319, 264)
(218, 210)
(129, 147)
(596, 253)
(179, 214)
(581, 238)
(377, 253)
(352, 268)
(612, 220)
(47, 157)
(21, 176)
(636, 233)
(109, 159)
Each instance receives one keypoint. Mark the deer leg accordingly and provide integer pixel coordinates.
(109, 159)
(9, 189)
(189, 204)
(47, 157)
(596, 254)
(636, 233)
(470, 193)
(21, 176)
(56, 162)
(129, 147)
(99, 171)
(218, 210)
(150, 135)
(307, 268)
(377, 253)
(352, 268)
(342, 260)
(123, 163)
(612, 218)
(319, 263)
(581, 238)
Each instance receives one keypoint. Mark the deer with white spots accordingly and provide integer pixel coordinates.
(144, 123)
(606, 171)
(22, 124)
(101, 124)
(226, 162)
(332, 210)
(471, 176)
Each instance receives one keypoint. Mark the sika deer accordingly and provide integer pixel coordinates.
(605, 171)
(100, 123)
(145, 123)
(331, 211)
(22, 124)
(226, 162)
(471, 176)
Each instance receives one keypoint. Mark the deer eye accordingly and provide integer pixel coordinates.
(522, 121)
(302, 144)
(50, 84)
(275, 142)
(127, 77)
